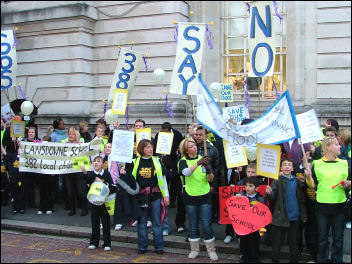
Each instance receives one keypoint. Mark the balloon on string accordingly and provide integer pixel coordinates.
(251, 152)
(215, 89)
(27, 108)
(158, 75)
(110, 117)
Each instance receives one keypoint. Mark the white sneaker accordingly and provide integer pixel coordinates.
(101, 226)
(118, 227)
(180, 229)
(165, 233)
(39, 213)
(91, 247)
(228, 239)
(149, 223)
(135, 223)
(107, 248)
(348, 225)
(49, 212)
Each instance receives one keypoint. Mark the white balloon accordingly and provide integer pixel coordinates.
(110, 117)
(159, 75)
(215, 89)
(27, 108)
(251, 152)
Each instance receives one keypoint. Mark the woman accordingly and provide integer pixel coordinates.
(153, 196)
(83, 130)
(75, 180)
(197, 196)
(328, 172)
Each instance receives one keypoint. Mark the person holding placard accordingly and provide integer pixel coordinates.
(197, 196)
(289, 208)
(153, 195)
(330, 175)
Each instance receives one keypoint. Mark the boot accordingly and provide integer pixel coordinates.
(72, 206)
(194, 248)
(210, 244)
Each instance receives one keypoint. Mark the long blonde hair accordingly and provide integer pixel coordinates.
(78, 135)
(184, 145)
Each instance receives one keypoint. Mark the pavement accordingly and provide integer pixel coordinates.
(60, 224)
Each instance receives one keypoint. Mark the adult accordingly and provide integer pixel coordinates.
(83, 131)
(330, 202)
(197, 197)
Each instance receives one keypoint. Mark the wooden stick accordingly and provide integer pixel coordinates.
(205, 142)
(305, 164)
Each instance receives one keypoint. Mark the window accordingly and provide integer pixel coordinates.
(235, 30)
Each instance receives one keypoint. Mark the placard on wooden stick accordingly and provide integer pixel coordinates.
(268, 160)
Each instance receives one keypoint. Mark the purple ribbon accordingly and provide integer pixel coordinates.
(105, 104)
(274, 86)
(22, 92)
(168, 107)
(119, 52)
(276, 7)
(176, 33)
(246, 95)
(127, 117)
(14, 38)
(210, 36)
(248, 8)
(145, 63)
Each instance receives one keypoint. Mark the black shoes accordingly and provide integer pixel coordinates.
(71, 213)
(160, 252)
(84, 212)
(21, 211)
(141, 251)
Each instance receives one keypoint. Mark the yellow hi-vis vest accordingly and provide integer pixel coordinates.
(159, 172)
(197, 184)
(329, 174)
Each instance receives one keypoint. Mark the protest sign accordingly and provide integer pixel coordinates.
(127, 68)
(245, 218)
(235, 155)
(7, 114)
(79, 161)
(268, 160)
(309, 126)
(239, 113)
(119, 103)
(225, 192)
(261, 40)
(122, 146)
(144, 133)
(17, 128)
(8, 60)
(164, 143)
(188, 60)
(226, 94)
(55, 158)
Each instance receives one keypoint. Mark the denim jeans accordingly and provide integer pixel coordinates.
(336, 222)
(166, 227)
(202, 212)
(154, 211)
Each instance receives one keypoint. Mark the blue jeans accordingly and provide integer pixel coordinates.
(166, 227)
(324, 222)
(154, 211)
(194, 212)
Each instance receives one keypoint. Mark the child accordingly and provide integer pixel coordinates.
(289, 206)
(99, 212)
(249, 244)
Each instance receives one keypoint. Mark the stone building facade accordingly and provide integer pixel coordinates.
(67, 53)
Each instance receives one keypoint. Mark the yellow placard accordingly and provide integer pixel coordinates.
(164, 143)
(268, 160)
(119, 102)
(143, 133)
(235, 155)
(17, 128)
(79, 161)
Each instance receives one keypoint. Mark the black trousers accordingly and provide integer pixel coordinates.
(278, 233)
(46, 185)
(18, 186)
(249, 248)
(229, 230)
(76, 182)
(31, 179)
(100, 212)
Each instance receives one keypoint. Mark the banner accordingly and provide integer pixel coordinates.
(276, 126)
(127, 68)
(188, 60)
(309, 127)
(55, 158)
(239, 113)
(261, 40)
(8, 60)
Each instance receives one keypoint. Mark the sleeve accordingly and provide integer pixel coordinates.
(90, 177)
(215, 168)
(166, 189)
(108, 179)
(275, 188)
(182, 165)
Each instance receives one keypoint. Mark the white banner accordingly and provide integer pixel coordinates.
(277, 125)
(238, 112)
(309, 126)
(261, 40)
(55, 158)
(127, 68)
(188, 60)
(8, 60)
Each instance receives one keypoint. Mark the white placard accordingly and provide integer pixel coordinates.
(122, 146)
(235, 155)
(268, 160)
(309, 126)
(7, 114)
(164, 143)
(239, 113)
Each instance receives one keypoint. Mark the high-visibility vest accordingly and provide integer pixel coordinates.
(329, 174)
(197, 184)
(81, 140)
(159, 172)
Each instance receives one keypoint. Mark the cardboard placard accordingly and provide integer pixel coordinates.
(268, 160)
(235, 155)
(17, 128)
(164, 143)
(144, 133)
(119, 103)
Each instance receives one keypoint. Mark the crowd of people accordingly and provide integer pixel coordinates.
(302, 201)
